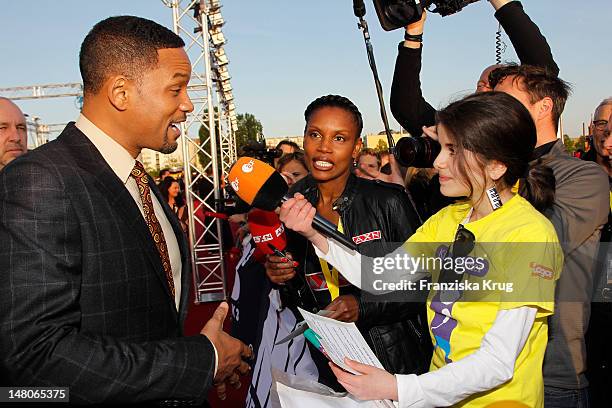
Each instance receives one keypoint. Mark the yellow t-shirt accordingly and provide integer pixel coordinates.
(514, 244)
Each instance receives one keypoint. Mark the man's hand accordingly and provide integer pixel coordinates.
(230, 351)
(280, 270)
(396, 173)
(416, 28)
(431, 131)
(366, 174)
(344, 308)
(373, 383)
(497, 4)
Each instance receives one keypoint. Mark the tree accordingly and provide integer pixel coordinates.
(569, 143)
(579, 144)
(249, 128)
(203, 134)
(381, 146)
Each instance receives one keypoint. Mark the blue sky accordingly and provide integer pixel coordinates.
(283, 54)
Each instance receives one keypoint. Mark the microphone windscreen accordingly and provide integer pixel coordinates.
(266, 228)
(257, 183)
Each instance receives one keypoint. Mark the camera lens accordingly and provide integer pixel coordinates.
(416, 151)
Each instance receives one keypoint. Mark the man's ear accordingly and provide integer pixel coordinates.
(545, 107)
(118, 90)
(496, 170)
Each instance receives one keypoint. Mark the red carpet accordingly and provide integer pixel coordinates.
(197, 316)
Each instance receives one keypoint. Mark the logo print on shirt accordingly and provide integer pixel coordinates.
(443, 323)
(368, 236)
(541, 271)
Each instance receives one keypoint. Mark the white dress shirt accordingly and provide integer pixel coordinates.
(122, 164)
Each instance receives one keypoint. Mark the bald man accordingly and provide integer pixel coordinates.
(13, 132)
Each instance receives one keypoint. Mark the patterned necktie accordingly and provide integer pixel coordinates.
(142, 180)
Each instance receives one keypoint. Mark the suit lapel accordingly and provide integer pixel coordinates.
(89, 158)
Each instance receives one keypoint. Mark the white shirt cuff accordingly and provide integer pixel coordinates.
(409, 392)
(216, 357)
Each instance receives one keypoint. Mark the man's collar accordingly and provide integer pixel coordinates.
(543, 149)
(117, 157)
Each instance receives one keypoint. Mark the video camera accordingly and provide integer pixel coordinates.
(395, 14)
(259, 150)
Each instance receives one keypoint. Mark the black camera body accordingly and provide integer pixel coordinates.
(259, 151)
(395, 14)
(416, 151)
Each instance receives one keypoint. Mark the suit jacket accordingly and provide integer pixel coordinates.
(84, 300)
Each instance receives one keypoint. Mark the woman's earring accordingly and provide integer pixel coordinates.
(494, 198)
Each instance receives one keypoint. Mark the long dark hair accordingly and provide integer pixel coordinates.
(496, 126)
(165, 185)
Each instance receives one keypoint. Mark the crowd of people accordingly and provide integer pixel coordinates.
(96, 265)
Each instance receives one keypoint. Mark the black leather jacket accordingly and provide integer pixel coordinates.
(397, 332)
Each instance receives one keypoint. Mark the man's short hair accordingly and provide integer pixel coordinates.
(288, 143)
(369, 152)
(605, 102)
(122, 45)
(538, 82)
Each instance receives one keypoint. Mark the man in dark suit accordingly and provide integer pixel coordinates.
(94, 270)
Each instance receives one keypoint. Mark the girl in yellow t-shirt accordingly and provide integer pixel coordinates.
(490, 330)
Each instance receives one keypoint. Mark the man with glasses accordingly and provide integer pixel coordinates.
(599, 357)
(601, 142)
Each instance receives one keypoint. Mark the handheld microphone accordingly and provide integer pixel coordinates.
(269, 237)
(260, 186)
(267, 229)
(359, 8)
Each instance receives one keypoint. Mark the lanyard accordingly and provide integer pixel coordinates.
(331, 278)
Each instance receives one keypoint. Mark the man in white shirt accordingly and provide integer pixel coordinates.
(96, 270)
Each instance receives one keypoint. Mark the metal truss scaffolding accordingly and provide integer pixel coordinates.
(199, 23)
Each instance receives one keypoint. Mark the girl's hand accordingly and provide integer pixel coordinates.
(297, 214)
(373, 383)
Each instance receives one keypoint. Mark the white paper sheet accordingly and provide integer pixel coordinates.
(340, 340)
(292, 398)
(290, 391)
